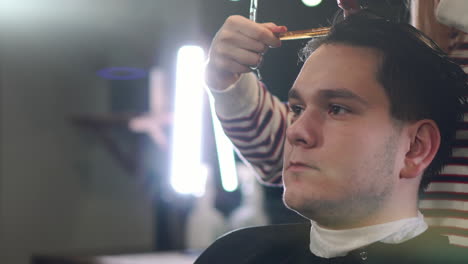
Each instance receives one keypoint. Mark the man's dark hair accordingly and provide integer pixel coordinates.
(419, 79)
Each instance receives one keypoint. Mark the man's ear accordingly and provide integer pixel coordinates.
(424, 143)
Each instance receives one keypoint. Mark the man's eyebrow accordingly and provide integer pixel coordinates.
(293, 94)
(328, 94)
(342, 93)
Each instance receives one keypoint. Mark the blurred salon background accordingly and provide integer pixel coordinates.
(109, 152)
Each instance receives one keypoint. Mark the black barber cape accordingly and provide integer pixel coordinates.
(289, 244)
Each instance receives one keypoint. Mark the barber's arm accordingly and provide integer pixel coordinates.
(252, 118)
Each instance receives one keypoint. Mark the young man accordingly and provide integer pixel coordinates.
(255, 120)
(372, 116)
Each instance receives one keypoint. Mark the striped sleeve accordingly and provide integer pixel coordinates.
(257, 129)
(458, 50)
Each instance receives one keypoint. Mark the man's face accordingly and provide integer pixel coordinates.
(343, 150)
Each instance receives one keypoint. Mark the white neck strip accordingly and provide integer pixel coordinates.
(327, 243)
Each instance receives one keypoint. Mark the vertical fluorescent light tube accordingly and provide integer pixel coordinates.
(225, 150)
(187, 173)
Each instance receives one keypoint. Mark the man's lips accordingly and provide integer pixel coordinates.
(299, 166)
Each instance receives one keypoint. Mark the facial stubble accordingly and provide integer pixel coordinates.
(364, 198)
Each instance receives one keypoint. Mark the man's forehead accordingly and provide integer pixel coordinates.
(338, 70)
(335, 63)
(346, 52)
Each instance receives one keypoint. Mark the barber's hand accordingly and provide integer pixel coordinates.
(349, 6)
(238, 45)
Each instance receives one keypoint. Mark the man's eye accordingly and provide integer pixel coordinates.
(296, 109)
(337, 110)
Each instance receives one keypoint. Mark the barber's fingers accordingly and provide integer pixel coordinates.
(221, 72)
(274, 28)
(226, 63)
(236, 60)
(255, 31)
(228, 67)
(234, 39)
(237, 48)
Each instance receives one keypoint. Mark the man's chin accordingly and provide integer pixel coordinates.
(292, 200)
(291, 206)
(295, 207)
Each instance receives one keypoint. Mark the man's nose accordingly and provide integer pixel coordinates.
(304, 132)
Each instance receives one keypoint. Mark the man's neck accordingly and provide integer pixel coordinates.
(398, 206)
(330, 243)
(369, 221)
